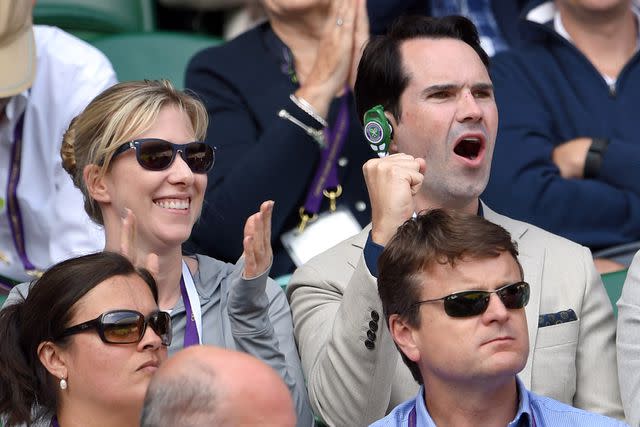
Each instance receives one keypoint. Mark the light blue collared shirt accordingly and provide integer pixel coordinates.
(533, 411)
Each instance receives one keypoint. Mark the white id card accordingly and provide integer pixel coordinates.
(326, 231)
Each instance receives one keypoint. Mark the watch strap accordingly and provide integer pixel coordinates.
(593, 162)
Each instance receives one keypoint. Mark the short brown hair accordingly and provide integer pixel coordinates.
(433, 237)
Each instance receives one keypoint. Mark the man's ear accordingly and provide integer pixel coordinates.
(96, 183)
(393, 145)
(402, 334)
(53, 359)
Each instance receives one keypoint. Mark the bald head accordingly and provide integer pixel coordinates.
(205, 385)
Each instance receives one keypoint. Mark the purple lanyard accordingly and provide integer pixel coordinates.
(190, 331)
(54, 422)
(327, 173)
(412, 417)
(13, 208)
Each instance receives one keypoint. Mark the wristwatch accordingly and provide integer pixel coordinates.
(593, 162)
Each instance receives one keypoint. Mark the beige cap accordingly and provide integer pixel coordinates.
(17, 47)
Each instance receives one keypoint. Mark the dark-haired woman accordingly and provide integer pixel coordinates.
(80, 349)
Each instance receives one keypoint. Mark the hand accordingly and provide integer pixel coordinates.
(128, 246)
(257, 242)
(333, 62)
(570, 157)
(393, 183)
(360, 37)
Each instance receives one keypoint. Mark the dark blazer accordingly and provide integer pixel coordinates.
(244, 83)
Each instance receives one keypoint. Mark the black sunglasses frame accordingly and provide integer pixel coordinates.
(99, 325)
(137, 144)
(477, 306)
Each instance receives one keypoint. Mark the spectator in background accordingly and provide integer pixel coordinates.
(496, 20)
(47, 77)
(82, 346)
(292, 135)
(431, 76)
(567, 157)
(209, 386)
(453, 296)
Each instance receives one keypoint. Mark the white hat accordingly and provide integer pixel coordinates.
(17, 47)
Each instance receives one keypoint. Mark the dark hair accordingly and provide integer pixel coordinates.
(433, 237)
(381, 79)
(186, 398)
(25, 384)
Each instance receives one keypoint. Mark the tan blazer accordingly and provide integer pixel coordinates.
(628, 344)
(335, 303)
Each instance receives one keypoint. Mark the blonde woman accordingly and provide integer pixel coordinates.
(135, 154)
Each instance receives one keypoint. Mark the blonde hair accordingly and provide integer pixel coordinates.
(116, 116)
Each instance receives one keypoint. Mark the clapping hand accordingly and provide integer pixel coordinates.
(128, 246)
(257, 242)
(346, 31)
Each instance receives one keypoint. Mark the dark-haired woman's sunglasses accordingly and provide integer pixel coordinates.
(125, 326)
(156, 154)
(473, 303)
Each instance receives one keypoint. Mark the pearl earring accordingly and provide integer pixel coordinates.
(63, 384)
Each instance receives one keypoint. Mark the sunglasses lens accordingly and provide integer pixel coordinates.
(122, 327)
(155, 155)
(160, 322)
(465, 304)
(199, 157)
(514, 296)
(473, 303)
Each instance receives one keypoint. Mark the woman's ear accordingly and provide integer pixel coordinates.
(95, 183)
(53, 359)
(402, 334)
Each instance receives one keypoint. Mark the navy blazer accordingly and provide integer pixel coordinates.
(244, 83)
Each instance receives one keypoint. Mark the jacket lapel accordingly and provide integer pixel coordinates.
(531, 257)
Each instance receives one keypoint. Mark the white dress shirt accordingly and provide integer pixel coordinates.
(70, 73)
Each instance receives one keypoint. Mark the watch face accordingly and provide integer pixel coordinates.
(373, 132)
(375, 135)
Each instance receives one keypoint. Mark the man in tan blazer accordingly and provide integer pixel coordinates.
(438, 100)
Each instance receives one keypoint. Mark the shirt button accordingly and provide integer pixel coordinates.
(361, 206)
(371, 335)
(343, 161)
(369, 344)
(373, 325)
(375, 316)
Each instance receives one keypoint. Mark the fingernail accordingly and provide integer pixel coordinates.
(125, 212)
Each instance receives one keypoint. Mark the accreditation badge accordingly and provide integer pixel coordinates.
(329, 229)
